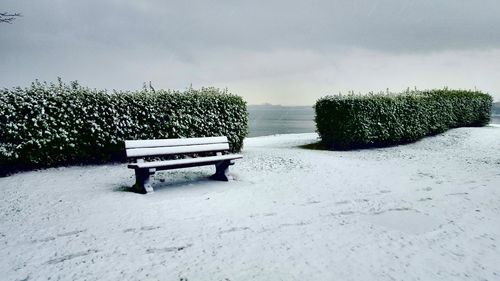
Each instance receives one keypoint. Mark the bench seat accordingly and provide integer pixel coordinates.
(184, 163)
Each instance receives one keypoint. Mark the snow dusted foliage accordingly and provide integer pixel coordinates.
(50, 124)
(374, 120)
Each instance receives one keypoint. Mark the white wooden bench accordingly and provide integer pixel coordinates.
(139, 149)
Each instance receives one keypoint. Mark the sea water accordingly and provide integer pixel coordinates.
(267, 120)
(495, 119)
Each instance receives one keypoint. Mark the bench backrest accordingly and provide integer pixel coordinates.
(144, 148)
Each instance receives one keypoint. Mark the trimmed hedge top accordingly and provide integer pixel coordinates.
(53, 124)
(374, 120)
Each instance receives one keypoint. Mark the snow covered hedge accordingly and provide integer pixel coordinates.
(52, 124)
(358, 121)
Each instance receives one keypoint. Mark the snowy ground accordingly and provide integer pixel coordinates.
(424, 211)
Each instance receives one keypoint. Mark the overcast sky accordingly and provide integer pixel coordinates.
(283, 52)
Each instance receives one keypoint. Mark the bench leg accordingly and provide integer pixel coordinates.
(222, 170)
(143, 180)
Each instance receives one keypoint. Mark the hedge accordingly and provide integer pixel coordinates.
(376, 120)
(54, 124)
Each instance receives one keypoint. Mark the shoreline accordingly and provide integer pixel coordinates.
(489, 125)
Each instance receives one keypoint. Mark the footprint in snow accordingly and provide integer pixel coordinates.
(293, 224)
(47, 239)
(343, 213)
(144, 228)
(71, 256)
(457, 193)
(149, 227)
(71, 233)
(342, 202)
(311, 202)
(167, 249)
(391, 210)
(233, 229)
(263, 215)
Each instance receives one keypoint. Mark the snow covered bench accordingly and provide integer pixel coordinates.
(138, 149)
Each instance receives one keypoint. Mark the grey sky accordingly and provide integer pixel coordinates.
(288, 52)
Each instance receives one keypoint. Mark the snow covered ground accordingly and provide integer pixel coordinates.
(423, 211)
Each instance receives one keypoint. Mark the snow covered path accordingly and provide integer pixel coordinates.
(423, 211)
